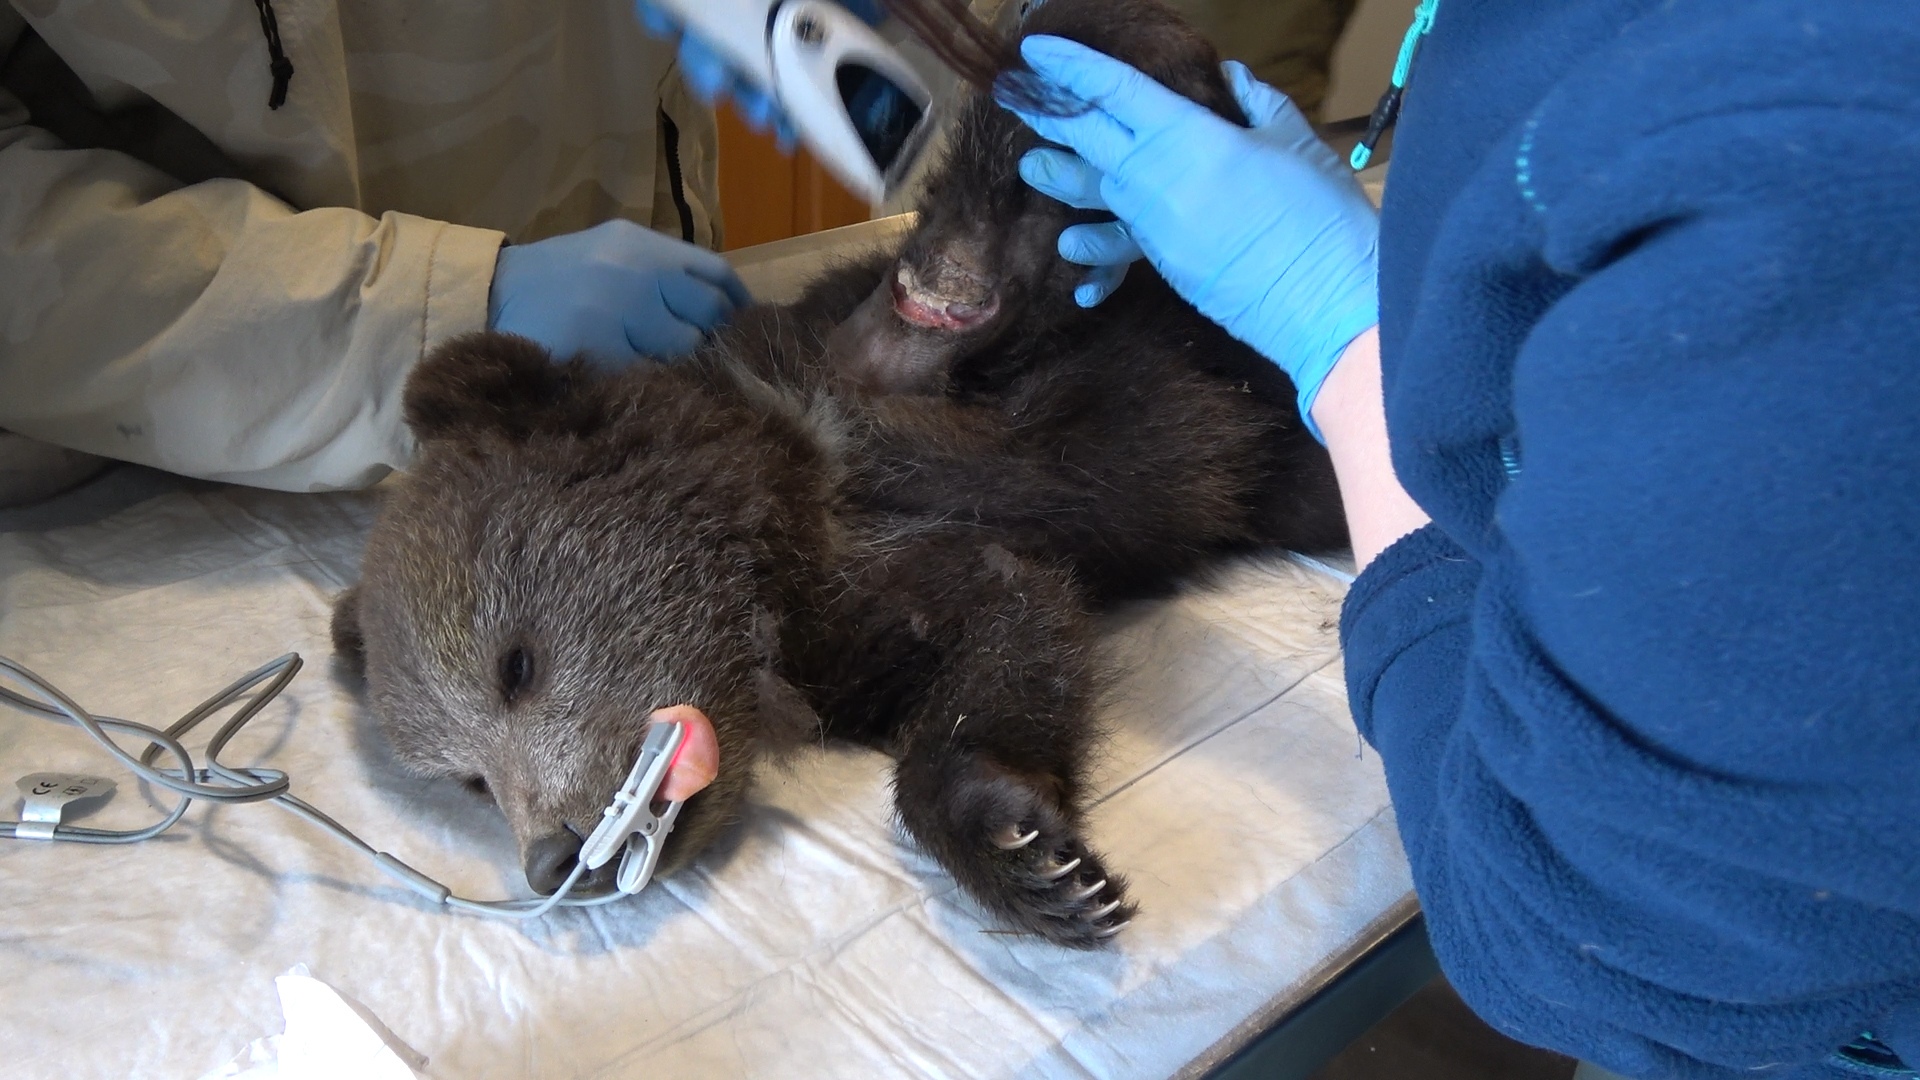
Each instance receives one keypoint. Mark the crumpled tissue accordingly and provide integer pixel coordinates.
(329, 1035)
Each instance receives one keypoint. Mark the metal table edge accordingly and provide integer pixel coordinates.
(1294, 1034)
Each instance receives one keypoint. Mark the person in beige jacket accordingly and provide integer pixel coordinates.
(229, 230)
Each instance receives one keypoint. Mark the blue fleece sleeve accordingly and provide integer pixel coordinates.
(1406, 636)
(1654, 751)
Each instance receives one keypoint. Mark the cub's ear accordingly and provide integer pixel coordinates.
(349, 645)
(1153, 39)
(502, 384)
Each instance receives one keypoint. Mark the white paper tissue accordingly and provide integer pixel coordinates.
(329, 1036)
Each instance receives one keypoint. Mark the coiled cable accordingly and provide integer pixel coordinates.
(220, 783)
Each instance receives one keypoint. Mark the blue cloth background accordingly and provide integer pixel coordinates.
(1648, 691)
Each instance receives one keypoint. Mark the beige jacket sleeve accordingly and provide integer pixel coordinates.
(209, 329)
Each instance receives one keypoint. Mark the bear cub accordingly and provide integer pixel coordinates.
(887, 513)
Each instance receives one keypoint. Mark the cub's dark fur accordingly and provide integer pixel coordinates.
(885, 513)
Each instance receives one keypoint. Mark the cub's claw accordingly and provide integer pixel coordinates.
(1010, 838)
(1059, 872)
(1088, 893)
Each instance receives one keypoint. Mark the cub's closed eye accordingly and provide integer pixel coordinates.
(516, 673)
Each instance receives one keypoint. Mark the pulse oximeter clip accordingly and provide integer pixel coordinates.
(629, 824)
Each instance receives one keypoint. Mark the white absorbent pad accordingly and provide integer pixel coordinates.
(813, 940)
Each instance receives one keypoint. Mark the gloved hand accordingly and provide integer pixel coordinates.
(616, 292)
(1263, 228)
(711, 78)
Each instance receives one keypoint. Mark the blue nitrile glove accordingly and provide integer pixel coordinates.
(616, 292)
(709, 77)
(1262, 228)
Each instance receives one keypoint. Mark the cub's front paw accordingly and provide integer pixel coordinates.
(1052, 883)
(1010, 840)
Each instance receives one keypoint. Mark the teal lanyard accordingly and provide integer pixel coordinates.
(1388, 110)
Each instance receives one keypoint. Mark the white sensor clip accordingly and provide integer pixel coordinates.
(629, 824)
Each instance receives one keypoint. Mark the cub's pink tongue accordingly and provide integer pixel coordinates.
(698, 760)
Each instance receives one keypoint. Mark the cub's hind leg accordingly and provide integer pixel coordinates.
(986, 660)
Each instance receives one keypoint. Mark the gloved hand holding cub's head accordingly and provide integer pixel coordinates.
(1261, 227)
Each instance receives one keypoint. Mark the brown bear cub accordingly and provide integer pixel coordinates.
(886, 513)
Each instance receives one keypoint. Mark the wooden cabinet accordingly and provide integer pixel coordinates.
(766, 195)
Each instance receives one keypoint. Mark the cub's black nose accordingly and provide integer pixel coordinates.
(550, 859)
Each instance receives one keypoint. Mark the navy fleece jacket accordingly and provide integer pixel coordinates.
(1648, 688)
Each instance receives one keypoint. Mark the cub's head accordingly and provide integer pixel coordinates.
(569, 553)
(982, 259)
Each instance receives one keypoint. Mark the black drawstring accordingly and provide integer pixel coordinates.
(278, 63)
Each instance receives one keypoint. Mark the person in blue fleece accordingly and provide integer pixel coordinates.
(1638, 631)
